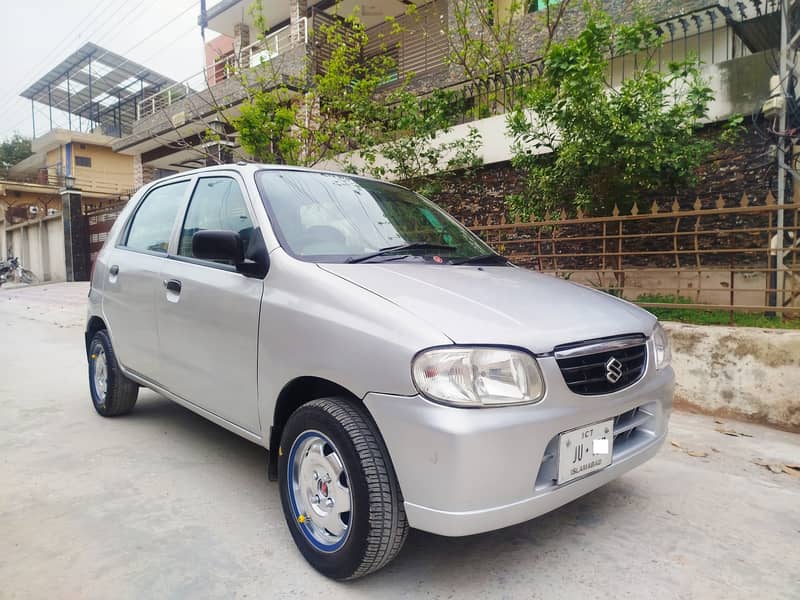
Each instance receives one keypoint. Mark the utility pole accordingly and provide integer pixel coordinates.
(785, 80)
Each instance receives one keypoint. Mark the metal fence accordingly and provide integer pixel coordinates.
(714, 255)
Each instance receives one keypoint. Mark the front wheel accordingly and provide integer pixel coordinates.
(339, 493)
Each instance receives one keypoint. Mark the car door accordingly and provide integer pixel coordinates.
(133, 277)
(208, 314)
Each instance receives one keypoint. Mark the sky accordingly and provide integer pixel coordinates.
(36, 35)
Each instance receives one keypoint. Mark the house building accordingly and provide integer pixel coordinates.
(735, 40)
(128, 125)
(89, 100)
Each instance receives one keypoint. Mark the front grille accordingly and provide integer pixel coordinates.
(585, 366)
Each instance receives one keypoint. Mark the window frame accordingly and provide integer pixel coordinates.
(85, 158)
(183, 212)
(122, 241)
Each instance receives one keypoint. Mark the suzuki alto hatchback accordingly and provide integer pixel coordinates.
(400, 373)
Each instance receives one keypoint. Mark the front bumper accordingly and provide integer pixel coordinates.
(465, 471)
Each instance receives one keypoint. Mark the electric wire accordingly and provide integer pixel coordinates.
(59, 105)
(59, 48)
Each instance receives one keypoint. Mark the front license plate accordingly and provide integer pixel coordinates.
(585, 450)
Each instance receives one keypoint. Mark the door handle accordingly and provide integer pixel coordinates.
(173, 285)
(114, 269)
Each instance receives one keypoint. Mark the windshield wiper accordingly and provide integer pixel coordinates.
(491, 258)
(399, 248)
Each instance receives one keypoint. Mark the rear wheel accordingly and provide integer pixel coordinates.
(112, 393)
(339, 493)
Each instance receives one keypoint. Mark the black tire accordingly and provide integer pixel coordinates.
(377, 523)
(121, 392)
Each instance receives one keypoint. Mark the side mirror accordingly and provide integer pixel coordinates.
(215, 244)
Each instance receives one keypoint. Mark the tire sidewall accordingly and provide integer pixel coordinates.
(343, 562)
(101, 341)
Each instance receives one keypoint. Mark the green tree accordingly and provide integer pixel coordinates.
(585, 145)
(489, 39)
(414, 147)
(354, 108)
(13, 150)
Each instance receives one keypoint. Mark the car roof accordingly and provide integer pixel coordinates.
(246, 168)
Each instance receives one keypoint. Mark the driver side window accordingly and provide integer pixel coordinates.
(217, 203)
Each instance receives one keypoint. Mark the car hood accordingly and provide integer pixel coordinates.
(499, 305)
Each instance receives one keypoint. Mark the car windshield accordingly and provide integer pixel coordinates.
(325, 217)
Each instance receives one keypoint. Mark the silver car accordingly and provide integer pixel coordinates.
(400, 373)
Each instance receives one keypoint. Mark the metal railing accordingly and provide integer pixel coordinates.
(713, 255)
(263, 50)
(45, 176)
(709, 34)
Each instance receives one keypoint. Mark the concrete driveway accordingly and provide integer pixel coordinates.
(163, 504)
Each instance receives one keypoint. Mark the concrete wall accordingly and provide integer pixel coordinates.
(39, 244)
(706, 286)
(742, 372)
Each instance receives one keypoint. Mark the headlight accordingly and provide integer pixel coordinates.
(661, 345)
(475, 377)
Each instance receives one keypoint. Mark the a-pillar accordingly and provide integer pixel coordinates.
(298, 9)
(76, 236)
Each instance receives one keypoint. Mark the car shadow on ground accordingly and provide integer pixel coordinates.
(424, 556)
(196, 432)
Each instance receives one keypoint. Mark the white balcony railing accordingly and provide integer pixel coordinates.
(262, 51)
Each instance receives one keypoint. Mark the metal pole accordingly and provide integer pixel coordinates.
(91, 96)
(33, 119)
(50, 105)
(69, 104)
(783, 73)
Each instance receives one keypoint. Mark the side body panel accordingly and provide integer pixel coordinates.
(208, 340)
(314, 323)
(129, 308)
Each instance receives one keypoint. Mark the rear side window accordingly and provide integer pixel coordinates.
(217, 203)
(153, 221)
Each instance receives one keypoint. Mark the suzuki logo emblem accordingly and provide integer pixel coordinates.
(613, 370)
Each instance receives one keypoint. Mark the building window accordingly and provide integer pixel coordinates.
(83, 161)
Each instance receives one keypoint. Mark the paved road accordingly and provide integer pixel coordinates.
(162, 504)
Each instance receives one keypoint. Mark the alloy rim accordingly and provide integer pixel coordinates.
(100, 375)
(319, 490)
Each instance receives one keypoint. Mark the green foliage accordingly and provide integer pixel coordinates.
(353, 110)
(412, 148)
(583, 144)
(711, 316)
(486, 39)
(319, 114)
(13, 150)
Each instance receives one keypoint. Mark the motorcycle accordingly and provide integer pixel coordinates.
(11, 269)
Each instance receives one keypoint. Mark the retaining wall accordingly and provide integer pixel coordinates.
(740, 372)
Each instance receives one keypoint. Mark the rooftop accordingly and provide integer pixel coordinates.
(98, 85)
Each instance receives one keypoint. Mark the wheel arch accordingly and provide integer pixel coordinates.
(94, 325)
(295, 394)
